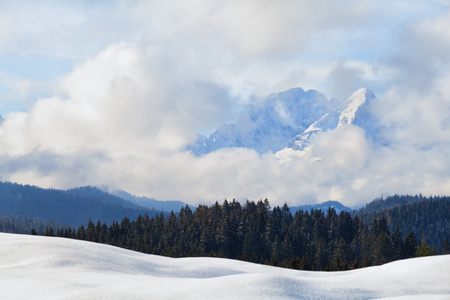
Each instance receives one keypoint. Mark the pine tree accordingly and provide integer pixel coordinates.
(423, 249)
(446, 247)
(409, 245)
(397, 243)
(340, 257)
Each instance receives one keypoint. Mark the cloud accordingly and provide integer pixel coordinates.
(118, 99)
(251, 47)
(17, 93)
(118, 116)
(346, 79)
(423, 54)
(48, 169)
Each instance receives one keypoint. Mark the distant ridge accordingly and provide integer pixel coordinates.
(167, 206)
(73, 207)
(338, 207)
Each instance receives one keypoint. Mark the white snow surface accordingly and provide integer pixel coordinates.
(349, 108)
(35, 267)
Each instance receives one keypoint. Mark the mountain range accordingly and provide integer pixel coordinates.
(288, 121)
(269, 125)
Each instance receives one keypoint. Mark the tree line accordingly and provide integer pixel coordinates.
(255, 232)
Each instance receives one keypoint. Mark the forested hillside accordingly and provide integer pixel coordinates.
(74, 207)
(429, 216)
(255, 232)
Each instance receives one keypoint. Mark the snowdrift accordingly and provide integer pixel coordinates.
(35, 267)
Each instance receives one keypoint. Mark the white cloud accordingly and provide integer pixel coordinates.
(114, 105)
(253, 47)
(423, 54)
(17, 93)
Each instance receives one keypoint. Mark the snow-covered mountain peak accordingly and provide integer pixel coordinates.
(288, 119)
(269, 125)
(354, 110)
(348, 109)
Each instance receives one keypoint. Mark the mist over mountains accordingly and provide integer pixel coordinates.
(290, 120)
(268, 152)
(355, 110)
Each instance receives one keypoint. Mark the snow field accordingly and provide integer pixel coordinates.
(35, 267)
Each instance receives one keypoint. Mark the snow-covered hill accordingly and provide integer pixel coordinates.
(34, 267)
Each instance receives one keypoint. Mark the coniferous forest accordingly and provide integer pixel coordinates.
(307, 240)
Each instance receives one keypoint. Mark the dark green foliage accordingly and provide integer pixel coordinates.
(26, 225)
(385, 230)
(409, 245)
(254, 232)
(445, 247)
(412, 213)
(423, 249)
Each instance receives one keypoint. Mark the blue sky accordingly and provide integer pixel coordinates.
(110, 92)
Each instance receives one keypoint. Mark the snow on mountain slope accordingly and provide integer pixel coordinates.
(34, 267)
(270, 125)
(289, 119)
(355, 110)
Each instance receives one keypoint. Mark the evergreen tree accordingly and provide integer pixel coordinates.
(409, 245)
(396, 244)
(446, 247)
(423, 249)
